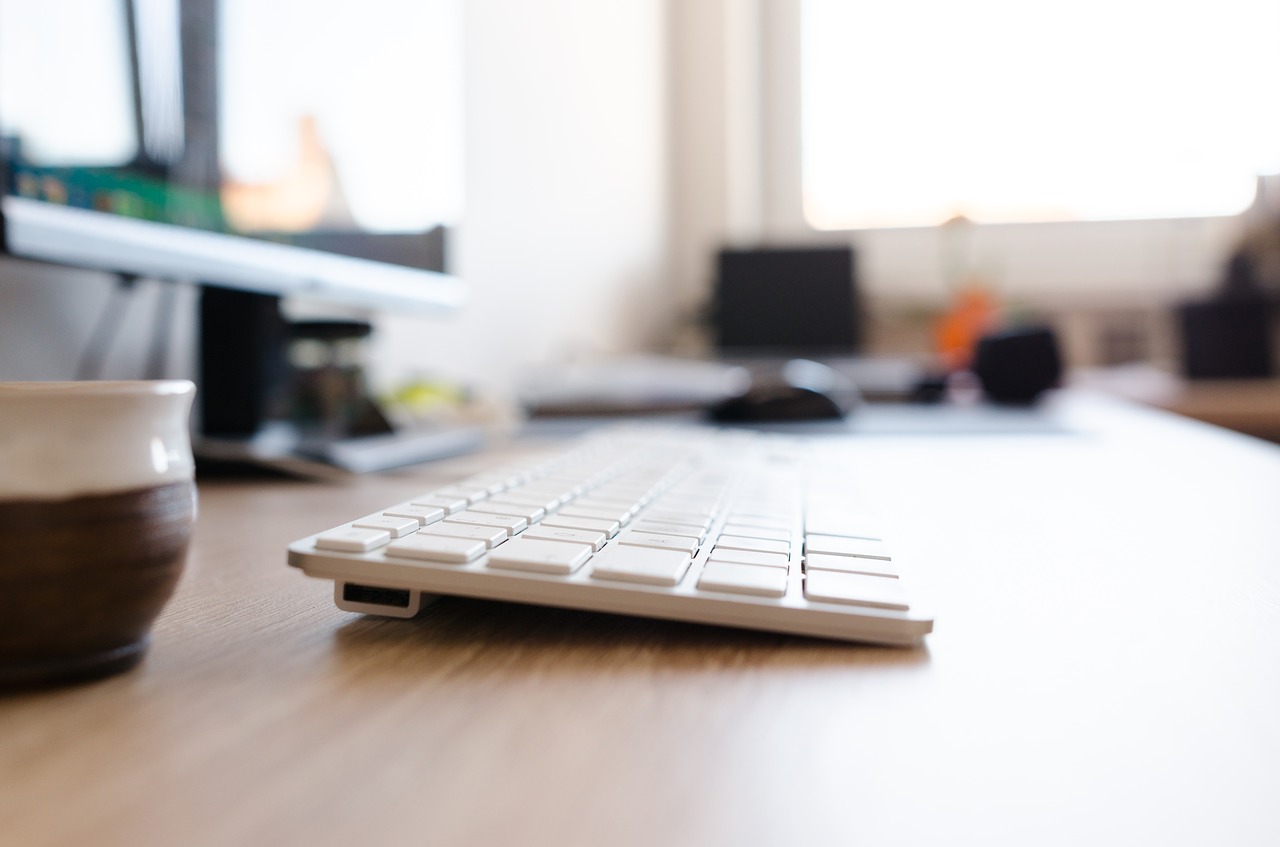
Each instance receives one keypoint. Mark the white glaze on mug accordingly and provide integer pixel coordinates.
(67, 439)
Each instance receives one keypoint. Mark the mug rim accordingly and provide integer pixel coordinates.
(83, 388)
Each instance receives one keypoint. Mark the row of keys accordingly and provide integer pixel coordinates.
(554, 519)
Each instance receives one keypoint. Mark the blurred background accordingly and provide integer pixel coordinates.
(1101, 168)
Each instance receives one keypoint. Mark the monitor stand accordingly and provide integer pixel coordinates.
(246, 396)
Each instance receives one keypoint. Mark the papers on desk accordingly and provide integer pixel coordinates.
(640, 384)
(632, 385)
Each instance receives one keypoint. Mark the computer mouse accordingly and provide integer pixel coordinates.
(801, 390)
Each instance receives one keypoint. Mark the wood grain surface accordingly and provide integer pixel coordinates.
(1105, 669)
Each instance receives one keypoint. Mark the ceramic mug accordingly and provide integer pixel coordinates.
(97, 502)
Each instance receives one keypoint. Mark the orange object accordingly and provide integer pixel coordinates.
(971, 316)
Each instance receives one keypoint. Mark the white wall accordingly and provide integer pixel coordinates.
(564, 233)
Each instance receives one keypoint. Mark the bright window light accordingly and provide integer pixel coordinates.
(80, 111)
(916, 111)
(374, 88)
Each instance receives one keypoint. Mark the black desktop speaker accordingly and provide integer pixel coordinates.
(1226, 338)
(787, 301)
(1017, 365)
(244, 368)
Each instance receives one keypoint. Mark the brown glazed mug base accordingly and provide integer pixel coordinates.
(74, 669)
(82, 580)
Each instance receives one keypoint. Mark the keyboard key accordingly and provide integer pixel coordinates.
(511, 523)
(629, 497)
(678, 517)
(531, 499)
(422, 514)
(671, 529)
(677, 506)
(527, 554)
(459, 492)
(437, 548)
(499, 507)
(490, 485)
(640, 564)
(743, 579)
(541, 495)
(881, 592)
(836, 545)
(595, 540)
(449, 504)
(564, 489)
(661, 542)
(492, 536)
(621, 504)
(760, 545)
(577, 510)
(699, 508)
(609, 528)
(849, 564)
(398, 527)
(352, 540)
(749, 557)
(746, 531)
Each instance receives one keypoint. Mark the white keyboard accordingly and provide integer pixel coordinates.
(692, 524)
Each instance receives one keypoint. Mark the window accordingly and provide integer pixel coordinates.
(80, 112)
(369, 94)
(916, 111)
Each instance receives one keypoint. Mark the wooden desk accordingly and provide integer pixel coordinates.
(1251, 406)
(1105, 669)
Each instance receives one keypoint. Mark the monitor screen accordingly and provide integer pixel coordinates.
(787, 301)
(306, 149)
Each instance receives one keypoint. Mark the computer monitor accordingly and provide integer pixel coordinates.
(261, 150)
(787, 301)
(36, 228)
